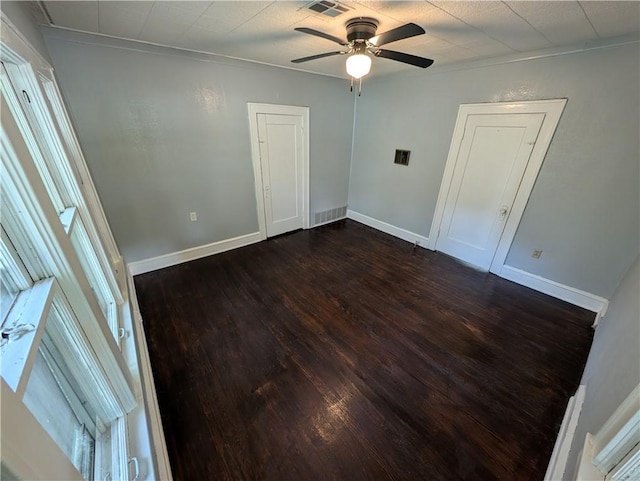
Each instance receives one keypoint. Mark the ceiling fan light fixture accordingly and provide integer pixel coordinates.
(358, 65)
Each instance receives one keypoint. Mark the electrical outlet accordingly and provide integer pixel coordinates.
(536, 253)
(193, 216)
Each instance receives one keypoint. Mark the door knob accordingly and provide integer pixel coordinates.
(504, 210)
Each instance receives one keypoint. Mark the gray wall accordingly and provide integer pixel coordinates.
(584, 209)
(165, 132)
(613, 367)
(21, 14)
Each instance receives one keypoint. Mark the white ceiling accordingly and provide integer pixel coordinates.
(457, 31)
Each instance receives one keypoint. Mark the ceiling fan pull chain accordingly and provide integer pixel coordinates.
(351, 89)
(360, 88)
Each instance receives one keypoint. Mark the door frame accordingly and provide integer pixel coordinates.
(552, 109)
(254, 109)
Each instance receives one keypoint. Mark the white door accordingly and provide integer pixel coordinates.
(489, 167)
(282, 164)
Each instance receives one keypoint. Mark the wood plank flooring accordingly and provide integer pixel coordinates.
(341, 353)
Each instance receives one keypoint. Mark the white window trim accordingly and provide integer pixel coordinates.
(613, 453)
(18, 358)
(73, 223)
(36, 113)
(30, 140)
(29, 456)
(92, 201)
(629, 468)
(26, 190)
(619, 434)
(85, 198)
(32, 306)
(17, 50)
(68, 273)
(15, 273)
(23, 82)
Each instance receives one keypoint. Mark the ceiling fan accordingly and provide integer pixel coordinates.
(362, 39)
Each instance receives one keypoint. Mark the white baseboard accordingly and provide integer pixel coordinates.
(572, 295)
(168, 260)
(389, 229)
(560, 454)
(158, 446)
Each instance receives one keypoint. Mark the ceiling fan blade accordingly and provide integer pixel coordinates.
(314, 57)
(317, 33)
(404, 57)
(404, 31)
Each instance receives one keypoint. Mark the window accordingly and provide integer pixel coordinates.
(51, 397)
(64, 380)
(613, 453)
(13, 275)
(35, 104)
(63, 392)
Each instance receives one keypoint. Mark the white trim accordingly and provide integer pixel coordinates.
(18, 42)
(619, 434)
(253, 110)
(18, 50)
(150, 397)
(112, 41)
(49, 116)
(86, 196)
(89, 190)
(32, 307)
(25, 191)
(597, 44)
(29, 456)
(193, 253)
(120, 444)
(76, 35)
(399, 232)
(586, 470)
(553, 110)
(629, 468)
(560, 454)
(572, 295)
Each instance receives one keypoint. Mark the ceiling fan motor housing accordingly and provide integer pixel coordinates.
(362, 28)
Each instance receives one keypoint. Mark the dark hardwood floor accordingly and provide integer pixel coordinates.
(343, 353)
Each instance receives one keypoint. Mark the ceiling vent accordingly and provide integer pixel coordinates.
(330, 9)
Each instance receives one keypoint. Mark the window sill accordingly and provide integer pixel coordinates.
(30, 308)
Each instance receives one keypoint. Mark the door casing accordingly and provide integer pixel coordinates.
(553, 110)
(259, 108)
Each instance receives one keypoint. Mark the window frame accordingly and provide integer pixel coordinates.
(613, 453)
(13, 271)
(41, 127)
(26, 195)
(91, 200)
(69, 337)
(33, 226)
